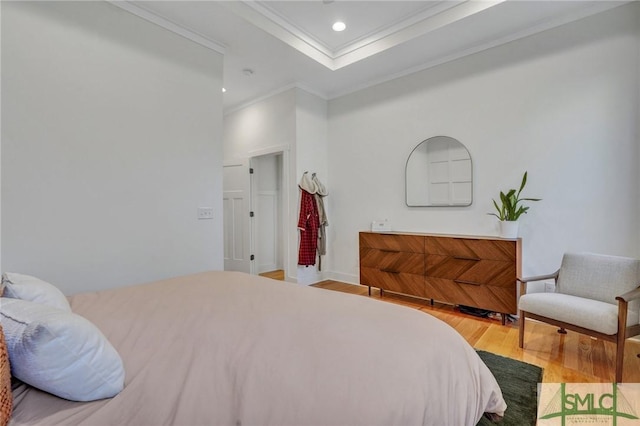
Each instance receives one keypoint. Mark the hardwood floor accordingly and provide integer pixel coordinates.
(565, 358)
(276, 275)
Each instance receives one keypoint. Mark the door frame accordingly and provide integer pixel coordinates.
(285, 248)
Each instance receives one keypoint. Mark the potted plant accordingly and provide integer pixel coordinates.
(510, 209)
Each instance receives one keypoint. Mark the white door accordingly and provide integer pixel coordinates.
(266, 201)
(237, 222)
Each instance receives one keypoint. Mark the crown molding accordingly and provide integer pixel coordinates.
(598, 7)
(167, 24)
(385, 38)
(288, 26)
(288, 34)
(275, 92)
(416, 29)
(395, 27)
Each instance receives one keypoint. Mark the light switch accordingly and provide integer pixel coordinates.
(205, 213)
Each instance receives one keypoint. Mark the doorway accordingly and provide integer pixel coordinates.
(256, 213)
(268, 224)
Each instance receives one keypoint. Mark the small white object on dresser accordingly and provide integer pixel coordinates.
(380, 226)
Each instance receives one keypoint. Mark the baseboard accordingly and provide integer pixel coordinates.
(314, 277)
(342, 277)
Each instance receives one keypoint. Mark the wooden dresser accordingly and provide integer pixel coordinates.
(461, 270)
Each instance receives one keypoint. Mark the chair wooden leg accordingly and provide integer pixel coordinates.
(521, 330)
(620, 338)
(619, 358)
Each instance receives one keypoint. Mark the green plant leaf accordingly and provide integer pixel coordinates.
(524, 182)
(500, 214)
(510, 207)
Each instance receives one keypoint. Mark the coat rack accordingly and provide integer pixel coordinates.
(312, 221)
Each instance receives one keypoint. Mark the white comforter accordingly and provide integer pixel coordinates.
(224, 348)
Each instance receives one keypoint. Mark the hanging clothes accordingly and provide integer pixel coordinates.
(321, 192)
(308, 222)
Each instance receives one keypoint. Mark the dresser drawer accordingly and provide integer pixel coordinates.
(406, 243)
(473, 271)
(492, 298)
(460, 270)
(467, 248)
(392, 261)
(398, 282)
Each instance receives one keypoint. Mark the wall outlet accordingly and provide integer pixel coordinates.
(549, 287)
(205, 213)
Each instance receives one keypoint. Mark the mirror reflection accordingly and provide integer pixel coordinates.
(439, 173)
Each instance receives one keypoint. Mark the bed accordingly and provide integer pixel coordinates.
(227, 348)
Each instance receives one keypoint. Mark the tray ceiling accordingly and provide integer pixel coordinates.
(291, 43)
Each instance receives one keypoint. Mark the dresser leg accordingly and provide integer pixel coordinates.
(504, 318)
(369, 291)
(381, 292)
(431, 302)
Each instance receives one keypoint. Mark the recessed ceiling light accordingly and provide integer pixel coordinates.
(224, 90)
(338, 26)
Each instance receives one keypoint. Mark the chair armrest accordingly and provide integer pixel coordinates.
(630, 295)
(540, 277)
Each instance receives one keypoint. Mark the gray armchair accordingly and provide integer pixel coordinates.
(595, 294)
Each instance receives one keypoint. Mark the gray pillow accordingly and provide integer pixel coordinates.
(60, 352)
(26, 287)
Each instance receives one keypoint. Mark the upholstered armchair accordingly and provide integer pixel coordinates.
(595, 294)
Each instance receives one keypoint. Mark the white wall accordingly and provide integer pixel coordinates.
(111, 139)
(264, 124)
(562, 104)
(0, 141)
(294, 120)
(311, 154)
(266, 127)
(638, 104)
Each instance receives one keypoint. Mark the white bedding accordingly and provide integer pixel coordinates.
(226, 348)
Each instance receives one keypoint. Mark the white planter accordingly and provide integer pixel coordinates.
(509, 229)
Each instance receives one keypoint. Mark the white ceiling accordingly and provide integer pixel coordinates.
(290, 43)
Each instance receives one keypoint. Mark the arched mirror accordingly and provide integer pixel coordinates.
(439, 173)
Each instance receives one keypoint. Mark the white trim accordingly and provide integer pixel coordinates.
(570, 17)
(274, 93)
(544, 26)
(396, 27)
(416, 25)
(285, 202)
(294, 39)
(276, 149)
(165, 23)
(233, 162)
(311, 91)
(259, 99)
(290, 27)
(344, 278)
(418, 29)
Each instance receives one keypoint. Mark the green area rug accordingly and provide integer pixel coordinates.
(519, 384)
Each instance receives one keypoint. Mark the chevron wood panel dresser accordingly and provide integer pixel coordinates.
(464, 270)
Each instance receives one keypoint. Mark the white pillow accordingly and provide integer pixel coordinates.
(60, 352)
(26, 287)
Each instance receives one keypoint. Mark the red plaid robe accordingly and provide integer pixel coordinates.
(308, 224)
